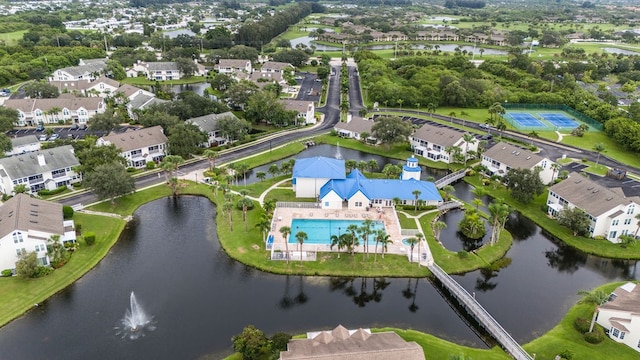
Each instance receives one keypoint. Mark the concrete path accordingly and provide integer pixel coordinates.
(425, 245)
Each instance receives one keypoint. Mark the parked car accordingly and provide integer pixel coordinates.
(54, 136)
(42, 137)
(74, 126)
(82, 126)
(40, 127)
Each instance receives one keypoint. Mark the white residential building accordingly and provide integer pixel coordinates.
(26, 224)
(160, 71)
(101, 87)
(355, 127)
(305, 109)
(137, 99)
(502, 157)
(86, 70)
(620, 315)
(277, 67)
(138, 146)
(39, 170)
(24, 144)
(432, 142)
(611, 213)
(231, 66)
(67, 108)
(208, 124)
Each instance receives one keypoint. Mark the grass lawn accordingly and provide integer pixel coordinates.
(273, 155)
(255, 189)
(565, 336)
(534, 212)
(11, 38)
(612, 149)
(18, 295)
(285, 195)
(406, 223)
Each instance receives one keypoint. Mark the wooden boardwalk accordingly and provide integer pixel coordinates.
(480, 314)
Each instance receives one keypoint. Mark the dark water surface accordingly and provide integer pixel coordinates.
(170, 256)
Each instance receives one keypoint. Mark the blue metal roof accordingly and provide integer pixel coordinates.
(410, 169)
(412, 159)
(381, 188)
(319, 167)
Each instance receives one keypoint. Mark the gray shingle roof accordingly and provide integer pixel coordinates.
(232, 63)
(296, 105)
(24, 165)
(442, 136)
(627, 299)
(588, 195)
(24, 140)
(162, 66)
(23, 212)
(275, 65)
(361, 344)
(93, 67)
(357, 125)
(63, 102)
(136, 139)
(513, 156)
(209, 123)
(128, 90)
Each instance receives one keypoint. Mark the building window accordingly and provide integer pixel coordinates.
(615, 332)
(627, 221)
(631, 209)
(615, 222)
(358, 203)
(17, 237)
(612, 234)
(621, 335)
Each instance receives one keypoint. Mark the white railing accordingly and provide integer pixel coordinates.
(298, 205)
(450, 178)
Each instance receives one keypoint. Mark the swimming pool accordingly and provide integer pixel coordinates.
(319, 231)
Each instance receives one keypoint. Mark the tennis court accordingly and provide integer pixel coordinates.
(526, 120)
(559, 120)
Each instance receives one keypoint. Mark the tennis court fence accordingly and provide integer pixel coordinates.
(578, 115)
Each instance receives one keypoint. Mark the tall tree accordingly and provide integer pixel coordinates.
(301, 237)
(185, 140)
(93, 156)
(106, 121)
(499, 213)
(598, 148)
(575, 219)
(170, 164)
(524, 184)
(416, 194)
(8, 118)
(391, 129)
(109, 181)
(468, 139)
(438, 226)
(211, 155)
(412, 241)
(286, 231)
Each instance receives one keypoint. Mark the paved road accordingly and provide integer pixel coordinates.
(332, 116)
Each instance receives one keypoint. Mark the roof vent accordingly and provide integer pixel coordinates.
(590, 188)
(513, 152)
(504, 148)
(595, 191)
(578, 181)
(517, 153)
(610, 198)
(528, 157)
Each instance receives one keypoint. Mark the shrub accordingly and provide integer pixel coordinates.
(566, 354)
(78, 229)
(131, 169)
(596, 336)
(52, 192)
(463, 254)
(6, 273)
(67, 212)
(151, 165)
(89, 238)
(44, 271)
(582, 325)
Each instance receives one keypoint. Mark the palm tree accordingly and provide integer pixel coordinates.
(599, 148)
(400, 101)
(381, 236)
(468, 139)
(533, 135)
(338, 241)
(264, 225)
(373, 165)
(448, 190)
(555, 167)
(431, 107)
(261, 175)
(412, 242)
(211, 155)
(352, 229)
(452, 115)
(243, 168)
(499, 213)
(228, 208)
(285, 231)
(273, 170)
(171, 163)
(20, 189)
(419, 236)
(438, 226)
(417, 194)
(269, 206)
(56, 249)
(301, 236)
(477, 202)
(365, 229)
(638, 226)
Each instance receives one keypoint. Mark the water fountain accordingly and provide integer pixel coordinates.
(338, 154)
(135, 321)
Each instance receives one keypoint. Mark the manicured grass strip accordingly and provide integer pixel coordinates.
(256, 189)
(273, 155)
(406, 223)
(565, 337)
(12, 38)
(17, 295)
(438, 349)
(535, 212)
(612, 148)
(126, 205)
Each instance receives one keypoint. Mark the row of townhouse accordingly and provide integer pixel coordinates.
(502, 157)
(611, 212)
(67, 108)
(161, 70)
(86, 70)
(434, 141)
(242, 69)
(26, 225)
(138, 146)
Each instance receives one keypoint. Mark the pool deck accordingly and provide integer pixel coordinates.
(283, 216)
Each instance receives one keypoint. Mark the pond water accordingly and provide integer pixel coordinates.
(620, 51)
(170, 256)
(443, 47)
(197, 88)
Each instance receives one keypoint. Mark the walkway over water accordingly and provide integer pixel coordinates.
(479, 313)
(440, 183)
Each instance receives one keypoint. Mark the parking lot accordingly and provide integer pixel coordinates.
(60, 132)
